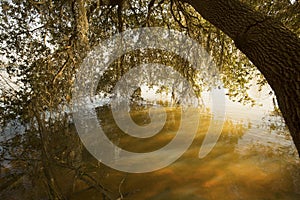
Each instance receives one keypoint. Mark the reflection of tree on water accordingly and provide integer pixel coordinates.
(64, 153)
(86, 176)
(61, 153)
(35, 156)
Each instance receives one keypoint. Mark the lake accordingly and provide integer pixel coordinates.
(254, 158)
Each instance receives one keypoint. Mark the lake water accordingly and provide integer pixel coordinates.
(254, 158)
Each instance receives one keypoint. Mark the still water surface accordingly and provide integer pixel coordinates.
(254, 158)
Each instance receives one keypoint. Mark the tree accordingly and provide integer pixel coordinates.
(49, 39)
(44, 42)
(272, 48)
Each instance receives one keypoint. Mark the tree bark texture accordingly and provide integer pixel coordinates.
(271, 47)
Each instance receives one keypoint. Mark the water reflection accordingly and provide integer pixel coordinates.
(242, 165)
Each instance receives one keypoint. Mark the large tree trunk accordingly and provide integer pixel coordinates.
(272, 48)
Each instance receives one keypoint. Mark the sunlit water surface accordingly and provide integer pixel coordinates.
(254, 158)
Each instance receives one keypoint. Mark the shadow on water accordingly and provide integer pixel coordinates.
(236, 168)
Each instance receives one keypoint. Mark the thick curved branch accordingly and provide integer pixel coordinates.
(271, 47)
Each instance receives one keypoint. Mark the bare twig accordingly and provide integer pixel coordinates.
(120, 192)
